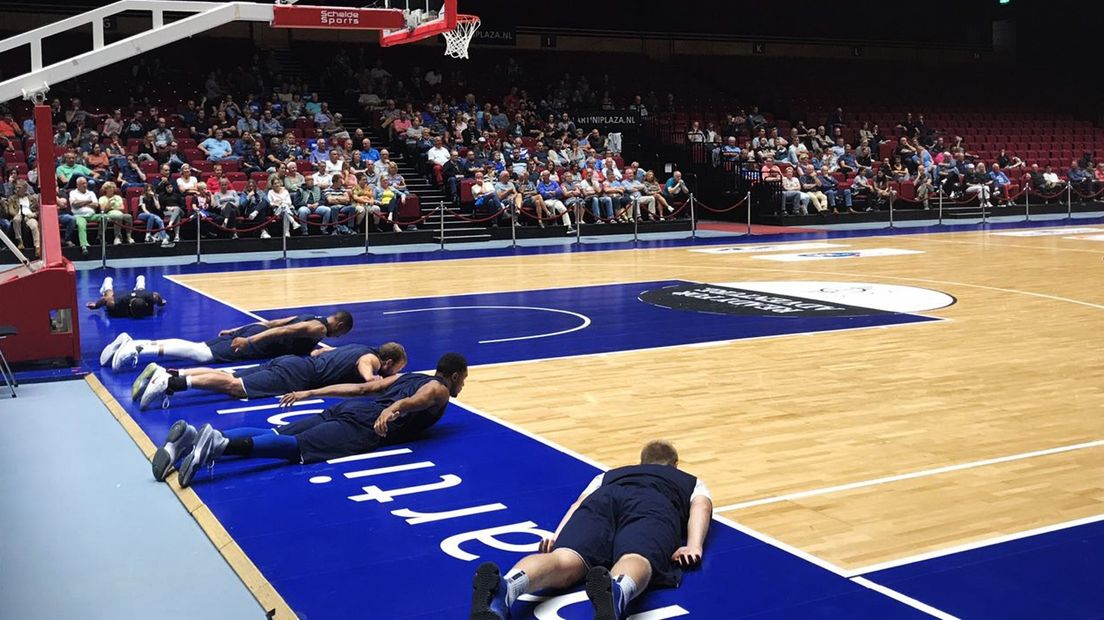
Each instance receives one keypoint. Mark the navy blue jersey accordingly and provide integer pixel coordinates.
(121, 309)
(295, 344)
(339, 365)
(410, 422)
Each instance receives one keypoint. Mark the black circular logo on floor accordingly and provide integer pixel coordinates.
(716, 299)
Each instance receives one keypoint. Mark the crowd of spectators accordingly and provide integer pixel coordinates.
(820, 171)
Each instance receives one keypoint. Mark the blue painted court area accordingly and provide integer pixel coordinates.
(358, 539)
(1052, 575)
(508, 327)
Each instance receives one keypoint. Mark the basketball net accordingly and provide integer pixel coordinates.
(457, 40)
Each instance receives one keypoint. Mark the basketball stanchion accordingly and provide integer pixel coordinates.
(693, 219)
(747, 198)
(441, 206)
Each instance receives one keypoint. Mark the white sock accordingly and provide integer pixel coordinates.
(628, 590)
(106, 286)
(140, 283)
(175, 347)
(188, 381)
(517, 583)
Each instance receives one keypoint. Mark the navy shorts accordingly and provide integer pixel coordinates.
(342, 430)
(615, 521)
(284, 374)
(220, 345)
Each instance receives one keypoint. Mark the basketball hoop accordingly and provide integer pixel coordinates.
(458, 39)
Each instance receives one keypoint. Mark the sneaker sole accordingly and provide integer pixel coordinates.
(142, 381)
(599, 589)
(163, 459)
(484, 585)
(187, 471)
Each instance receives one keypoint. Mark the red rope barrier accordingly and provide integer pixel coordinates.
(476, 220)
(726, 210)
(214, 223)
(1090, 195)
(142, 227)
(338, 222)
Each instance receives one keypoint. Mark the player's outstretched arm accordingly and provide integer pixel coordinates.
(307, 328)
(429, 396)
(341, 390)
(266, 323)
(701, 512)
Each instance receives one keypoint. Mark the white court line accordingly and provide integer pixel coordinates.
(584, 325)
(826, 565)
(212, 297)
(908, 476)
(369, 455)
(907, 600)
(507, 292)
(988, 542)
(315, 401)
(366, 473)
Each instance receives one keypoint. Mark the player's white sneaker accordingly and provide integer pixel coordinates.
(179, 443)
(106, 286)
(139, 386)
(140, 283)
(125, 355)
(157, 390)
(109, 351)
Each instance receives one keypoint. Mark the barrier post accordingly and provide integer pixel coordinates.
(747, 199)
(693, 219)
(1027, 205)
(1069, 201)
(441, 206)
(103, 243)
(580, 212)
(513, 228)
(367, 217)
(286, 226)
(940, 207)
(891, 213)
(199, 236)
(984, 213)
(636, 220)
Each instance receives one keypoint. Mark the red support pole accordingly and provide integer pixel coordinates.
(47, 184)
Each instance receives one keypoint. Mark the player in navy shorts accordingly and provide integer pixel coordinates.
(627, 530)
(293, 335)
(136, 303)
(347, 364)
(397, 413)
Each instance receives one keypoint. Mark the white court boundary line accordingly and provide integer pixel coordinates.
(908, 476)
(907, 600)
(794, 551)
(583, 325)
(970, 546)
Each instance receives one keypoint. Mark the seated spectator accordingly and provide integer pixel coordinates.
(172, 202)
(863, 187)
(695, 133)
(321, 179)
(653, 189)
(97, 160)
(552, 194)
(1079, 178)
(21, 209)
(111, 209)
(1001, 183)
(635, 190)
(225, 203)
(69, 172)
(792, 194)
(310, 199)
(437, 155)
(291, 178)
(675, 190)
(924, 187)
(615, 191)
(367, 153)
(1053, 183)
(280, 201)
(883, 190)
(390, 202)
(832, 191)
(217, 147)
(187, 183)
(340, 202)
(270, 126)
(364, 199)
(451, 173)
(152, 215)
(1009, 162)
(810, 184)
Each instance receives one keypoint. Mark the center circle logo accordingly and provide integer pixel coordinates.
(798, 299)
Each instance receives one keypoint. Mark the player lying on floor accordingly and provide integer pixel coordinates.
(135, 303)
(400, 412)
(624, 533)
(330, 366)
(293, 335)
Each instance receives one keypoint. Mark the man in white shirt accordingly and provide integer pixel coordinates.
(334, 164)
(622, 534)
(437, 154)
(322, 179)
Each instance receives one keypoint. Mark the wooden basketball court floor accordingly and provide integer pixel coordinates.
(865, 448)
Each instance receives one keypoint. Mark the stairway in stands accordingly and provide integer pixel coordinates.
(455, 229)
